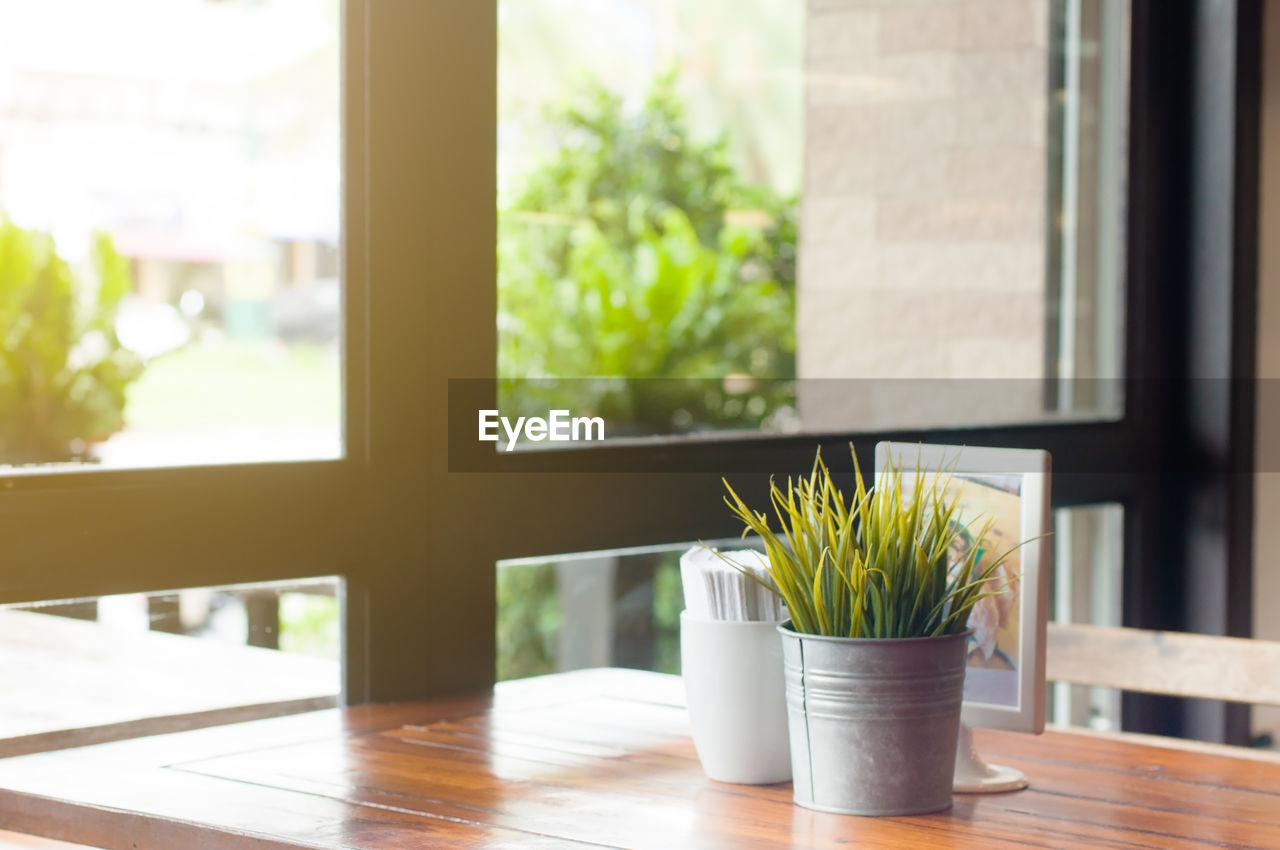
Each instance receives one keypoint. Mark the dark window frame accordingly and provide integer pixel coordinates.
(417, 543)
(1178, 459)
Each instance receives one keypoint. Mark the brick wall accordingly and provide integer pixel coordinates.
(922, 249)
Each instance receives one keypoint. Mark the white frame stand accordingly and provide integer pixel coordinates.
(975, 776)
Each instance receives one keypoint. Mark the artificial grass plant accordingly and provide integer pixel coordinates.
(877, 566)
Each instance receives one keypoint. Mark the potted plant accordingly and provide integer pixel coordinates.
(879, 590)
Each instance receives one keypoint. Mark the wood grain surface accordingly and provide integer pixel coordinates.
(1175, 663)
(69, 683)
(597, 758)
(17, 841)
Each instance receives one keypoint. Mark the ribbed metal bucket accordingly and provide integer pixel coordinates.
(873, 723)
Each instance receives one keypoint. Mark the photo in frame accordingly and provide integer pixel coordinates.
(1004, 680)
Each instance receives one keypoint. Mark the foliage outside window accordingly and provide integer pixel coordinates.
(63, 371)
(637, 255)
(531, 597)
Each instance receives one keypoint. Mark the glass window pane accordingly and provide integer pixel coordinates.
(622, 608)
(1088, 582)
(169, 231)
(86, 670)
(784, 216)
(591, 609)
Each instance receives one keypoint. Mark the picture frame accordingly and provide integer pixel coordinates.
(1005, 676)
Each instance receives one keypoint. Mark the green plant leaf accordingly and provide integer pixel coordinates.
(878, 565)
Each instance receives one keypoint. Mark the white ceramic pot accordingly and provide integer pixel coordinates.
(737, 706)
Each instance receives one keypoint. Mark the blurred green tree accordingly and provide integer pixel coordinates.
(635, 256)
(63, 371)
(528, 620)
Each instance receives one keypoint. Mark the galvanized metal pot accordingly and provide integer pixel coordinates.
(873, 723)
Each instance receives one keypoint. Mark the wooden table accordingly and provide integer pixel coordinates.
(68, 683)
(589, 759)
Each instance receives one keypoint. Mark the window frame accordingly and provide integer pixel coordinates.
(417, 543)
(1178, 458)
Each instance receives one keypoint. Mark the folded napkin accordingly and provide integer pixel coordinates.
(716, 590)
